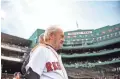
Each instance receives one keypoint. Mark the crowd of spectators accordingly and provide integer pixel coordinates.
(90, 63)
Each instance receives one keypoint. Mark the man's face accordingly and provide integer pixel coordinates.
(59, 39)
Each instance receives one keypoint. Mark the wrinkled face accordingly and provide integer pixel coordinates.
(58, 39)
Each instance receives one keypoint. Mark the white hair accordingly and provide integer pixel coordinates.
(52, 29)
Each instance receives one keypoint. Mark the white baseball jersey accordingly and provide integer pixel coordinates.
(46, 62)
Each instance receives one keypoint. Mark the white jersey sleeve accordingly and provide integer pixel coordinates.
(38, 60)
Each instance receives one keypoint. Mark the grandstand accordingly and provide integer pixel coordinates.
(13, 51)
(92, 53)
(86, 54)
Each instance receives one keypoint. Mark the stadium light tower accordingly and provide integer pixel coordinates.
(77, 24)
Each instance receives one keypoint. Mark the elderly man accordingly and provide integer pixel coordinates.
(45, 63)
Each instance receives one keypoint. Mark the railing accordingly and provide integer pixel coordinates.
(11, 58)
(13, 47)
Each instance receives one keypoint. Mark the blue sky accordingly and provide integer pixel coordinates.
(23, 17)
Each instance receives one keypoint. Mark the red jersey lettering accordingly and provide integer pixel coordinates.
(54, 65)
(49, 66)
(58, 65)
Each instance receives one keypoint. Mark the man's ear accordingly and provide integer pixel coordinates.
(52, 36)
